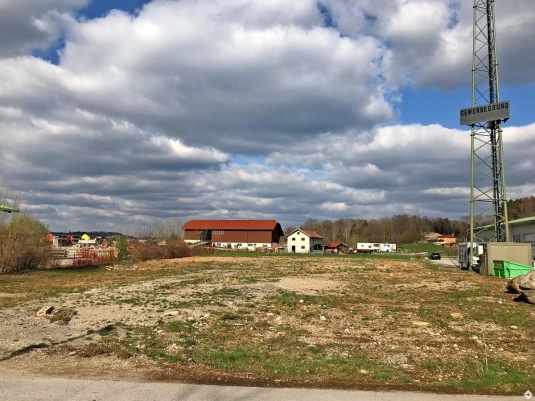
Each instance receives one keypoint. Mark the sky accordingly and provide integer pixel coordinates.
(116, 114)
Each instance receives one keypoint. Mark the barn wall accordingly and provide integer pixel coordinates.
(192, 235)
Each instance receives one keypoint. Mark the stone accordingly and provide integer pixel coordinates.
(421, 324)
(528, 282)
(172, 313)
(514, 327)
(323, 317)
(527, 296)
(44, 311)
(62, 315)
(512, 285)
(456, 315)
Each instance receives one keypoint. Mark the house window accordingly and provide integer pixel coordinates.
(249, 244)
(293, 238)
(302, 247)
(302, 239)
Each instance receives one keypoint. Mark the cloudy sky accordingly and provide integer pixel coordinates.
(120, 113)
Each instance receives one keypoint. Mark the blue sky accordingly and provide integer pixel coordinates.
(100, 8)
(251, 109)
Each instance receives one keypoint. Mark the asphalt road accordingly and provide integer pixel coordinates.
(38, 388)
(449, 262)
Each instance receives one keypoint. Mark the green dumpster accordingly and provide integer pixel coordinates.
(506, 269)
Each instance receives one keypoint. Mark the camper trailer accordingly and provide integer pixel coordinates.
(369, 247)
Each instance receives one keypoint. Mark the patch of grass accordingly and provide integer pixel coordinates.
(104, 348)
(229, 316)
(424, 248)
(292, 299)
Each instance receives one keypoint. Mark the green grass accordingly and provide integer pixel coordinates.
(424, 248)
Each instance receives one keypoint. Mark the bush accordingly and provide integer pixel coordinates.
(22, 244)
(141, 252)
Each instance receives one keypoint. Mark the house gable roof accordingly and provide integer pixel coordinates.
(249, 225)
(310, 233)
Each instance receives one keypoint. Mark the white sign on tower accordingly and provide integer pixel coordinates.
(488, 112)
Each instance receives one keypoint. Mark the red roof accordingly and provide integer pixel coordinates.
(446, 236)
(312, 234)
(336, 245)
(252, 225)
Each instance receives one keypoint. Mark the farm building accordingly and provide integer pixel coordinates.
(304, 241)
(337, 247)
(240, 234)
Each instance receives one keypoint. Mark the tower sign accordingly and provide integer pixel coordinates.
(489, 112)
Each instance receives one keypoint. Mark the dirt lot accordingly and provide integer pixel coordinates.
(340, 322)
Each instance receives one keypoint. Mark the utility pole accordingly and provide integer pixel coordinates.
(488, 202)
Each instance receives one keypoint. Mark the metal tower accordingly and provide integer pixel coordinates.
(488, 202)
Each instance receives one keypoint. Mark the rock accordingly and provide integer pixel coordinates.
(527, 296)
(323, 317)
(172, 313)
(528, 283)
(512, 285)
(44, 311)
(62, 315)
(301, 301)
(363, 371)
(422, 324)
(514, 327)
(456, 315)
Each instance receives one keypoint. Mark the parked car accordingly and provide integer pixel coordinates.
(434, 256)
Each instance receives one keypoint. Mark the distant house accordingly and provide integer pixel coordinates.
(446, 240)
(234, 234)
(304, 241)
(337, 247)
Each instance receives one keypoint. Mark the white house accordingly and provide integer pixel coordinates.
(304, 241)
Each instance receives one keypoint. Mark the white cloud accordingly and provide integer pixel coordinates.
(244, 109)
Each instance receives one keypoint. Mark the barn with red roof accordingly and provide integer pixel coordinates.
(240, 234)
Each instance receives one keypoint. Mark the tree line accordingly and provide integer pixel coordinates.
(402, 229)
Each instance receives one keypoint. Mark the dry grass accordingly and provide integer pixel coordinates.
(333, 322)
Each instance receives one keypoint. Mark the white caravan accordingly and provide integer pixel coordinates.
(369, 247)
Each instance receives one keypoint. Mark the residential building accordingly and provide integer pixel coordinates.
(304, 241)
(446, 240)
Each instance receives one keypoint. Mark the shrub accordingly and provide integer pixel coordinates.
(22, 244)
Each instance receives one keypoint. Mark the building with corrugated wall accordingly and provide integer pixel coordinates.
(241, 234)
